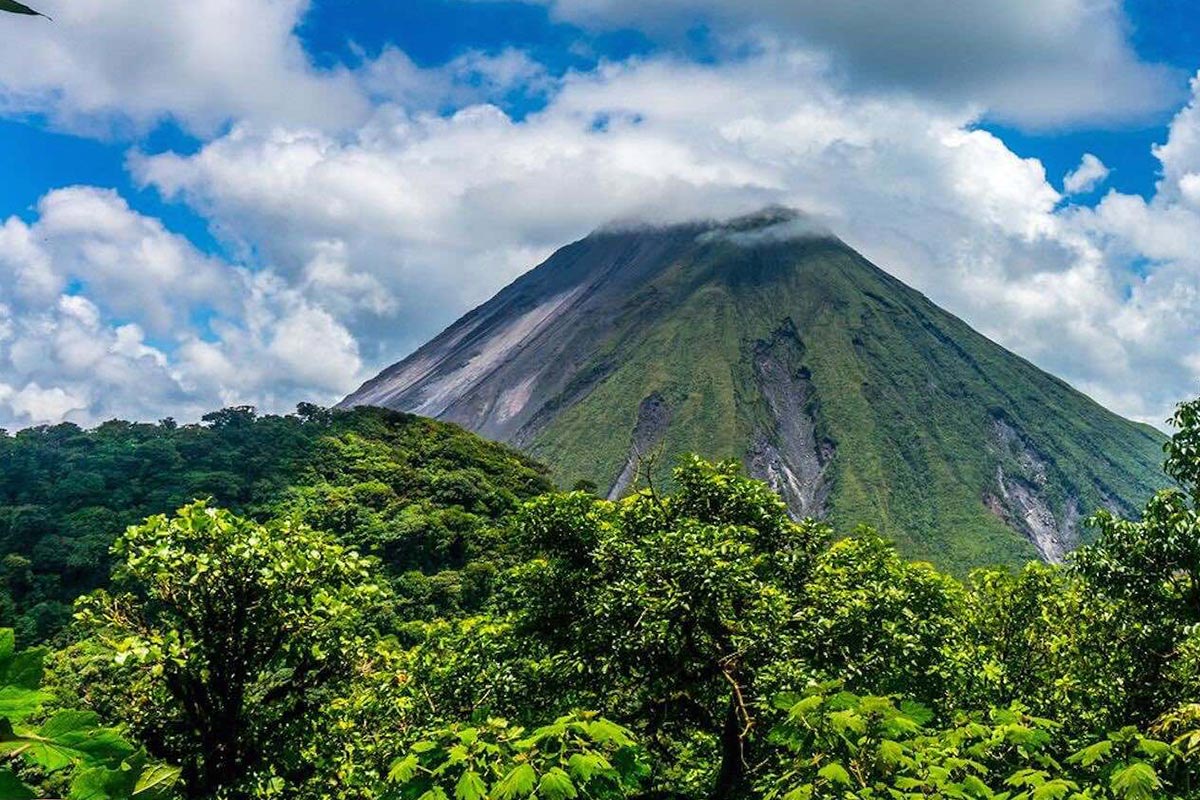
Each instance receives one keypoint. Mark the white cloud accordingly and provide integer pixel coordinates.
(1038, 64)
(74, 341)
(120, 62)
(107, 65)
(91, 236)
(116, 66)
(1090, 173)
(436, 213)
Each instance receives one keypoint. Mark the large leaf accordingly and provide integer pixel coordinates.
(556, 785)
(25, 669)
(1135, 782)
(128, 781)
(79, 731)
(11, 787)
(99, 783)
(403, 769)
(156, 781)
(470, 787)
(835, 773)
(1093, 753)
(17, 703)
(516, 784)
(72, 737)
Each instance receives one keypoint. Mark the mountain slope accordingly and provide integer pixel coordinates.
(412, 491)
(855, 396)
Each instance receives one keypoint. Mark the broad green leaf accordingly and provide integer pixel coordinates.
(73, 735)
(1052, 790)
(556, 785)
(844, 721)
(156, 780)
(805, 707)
(403, 769)
(1154, 748)
(918, 713)
(24, 669)
(1135, 782)
(99, 783)
(516, 784)
(1092, 753)
(890, 752)
(11, 787)
(835, 773)
(584, 765)
(470, 787)
(16, 703)
(785, 701)
(603, 732)
(975, 787)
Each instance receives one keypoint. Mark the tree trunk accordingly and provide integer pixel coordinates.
(733, 758)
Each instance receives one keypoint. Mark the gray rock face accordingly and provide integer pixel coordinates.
(495, 369)
(1022, 495)
(653, 419)
(787, 455)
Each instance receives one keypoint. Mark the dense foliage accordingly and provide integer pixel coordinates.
(67, 750)
(412, 491)
(692, 643)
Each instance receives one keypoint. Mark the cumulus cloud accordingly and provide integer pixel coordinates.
(105, 313)
(108, 67)
(1036, 64)
(90, 236)
(105, 63)
(436, 212)
(1090, 173)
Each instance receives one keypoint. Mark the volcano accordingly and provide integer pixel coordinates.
(769, 340)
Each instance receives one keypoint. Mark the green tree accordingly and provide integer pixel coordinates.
(1150, 568)
(664, 610)
(234, 636)
(837, 744)
(876, 621)
(1043, 637)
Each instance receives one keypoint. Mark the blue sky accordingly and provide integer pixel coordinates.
(265, 201)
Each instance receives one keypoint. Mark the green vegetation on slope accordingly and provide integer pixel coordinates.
(415, 492)
(696, 643)
(915, 403)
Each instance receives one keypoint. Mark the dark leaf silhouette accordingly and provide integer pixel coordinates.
(13, 7)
